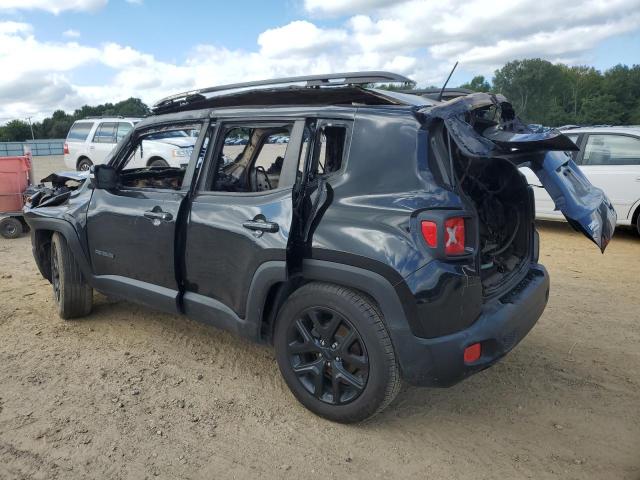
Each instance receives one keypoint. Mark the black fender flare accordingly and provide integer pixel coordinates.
(70, 235)
(374, 285)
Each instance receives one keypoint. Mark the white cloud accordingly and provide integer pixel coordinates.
(342, 7)
(14, 28)
(299, 37)
(53, 6)
(418, 38)
(71, 33)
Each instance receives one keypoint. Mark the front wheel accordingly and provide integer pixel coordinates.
(335, 354)
(73, 296)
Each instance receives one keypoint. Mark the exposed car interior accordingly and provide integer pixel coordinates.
(251, 159)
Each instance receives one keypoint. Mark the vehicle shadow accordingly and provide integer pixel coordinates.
(536, 376)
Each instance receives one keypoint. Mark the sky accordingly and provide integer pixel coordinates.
(62, 54)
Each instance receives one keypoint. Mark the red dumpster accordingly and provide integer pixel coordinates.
(14, 180)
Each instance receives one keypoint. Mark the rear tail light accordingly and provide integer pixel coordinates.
(454, 236)
(430, 233)
(66, 148)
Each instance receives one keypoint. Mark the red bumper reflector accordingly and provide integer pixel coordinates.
(472, 353)
(430, 233)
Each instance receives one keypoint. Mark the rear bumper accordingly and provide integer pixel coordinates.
(500, 327)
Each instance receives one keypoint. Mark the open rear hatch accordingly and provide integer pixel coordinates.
(484, 127)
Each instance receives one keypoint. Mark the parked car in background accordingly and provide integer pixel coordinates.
(610, 159)
(89, 141)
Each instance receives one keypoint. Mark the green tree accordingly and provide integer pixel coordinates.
(601, 109)
(477, 84)
(15, 131)
(534, 86)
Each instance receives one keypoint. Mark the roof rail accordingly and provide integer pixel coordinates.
(332, 79)
(94, 117)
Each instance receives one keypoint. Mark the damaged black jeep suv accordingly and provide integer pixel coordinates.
(370, 235)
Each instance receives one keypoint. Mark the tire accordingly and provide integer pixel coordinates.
(84, 165)
(11, 227)
(638, 223)
(73, 296)
(358, 356)
(158, 162)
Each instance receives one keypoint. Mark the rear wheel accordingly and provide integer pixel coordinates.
(73, 296)
(84, 164)
(335, 353)
(11, 227)
(638, 223)
(158, 162)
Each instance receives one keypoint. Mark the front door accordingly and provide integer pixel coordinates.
(241, 215)
(131, 232)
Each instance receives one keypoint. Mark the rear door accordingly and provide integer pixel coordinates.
(131, 230)
(611, 161)
(104, 139)
(241, 214)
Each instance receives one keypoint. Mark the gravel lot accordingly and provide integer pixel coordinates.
(131, 393)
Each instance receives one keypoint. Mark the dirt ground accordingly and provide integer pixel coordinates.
(131, 393)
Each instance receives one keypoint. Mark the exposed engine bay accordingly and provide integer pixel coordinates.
(62, 186)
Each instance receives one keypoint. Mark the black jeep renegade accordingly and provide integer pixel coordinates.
(370, 235)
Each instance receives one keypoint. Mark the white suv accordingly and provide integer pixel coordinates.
(90, 141)
(610, 159)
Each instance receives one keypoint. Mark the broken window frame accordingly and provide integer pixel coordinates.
(120, 159)
(210, 165)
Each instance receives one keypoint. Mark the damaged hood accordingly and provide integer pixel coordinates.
(63, 185)
(469, 121)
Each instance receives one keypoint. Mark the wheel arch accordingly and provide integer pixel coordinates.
(635, 215)
(370, 283)
(154, 158)
(42, 229)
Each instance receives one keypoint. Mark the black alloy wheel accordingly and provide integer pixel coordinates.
(328, 355)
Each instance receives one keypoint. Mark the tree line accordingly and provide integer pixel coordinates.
(557, 94)
(60, 122)
(540, 91)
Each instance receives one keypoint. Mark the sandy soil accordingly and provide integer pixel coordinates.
(131, 393)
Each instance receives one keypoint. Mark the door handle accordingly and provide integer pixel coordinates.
(261, 226)
(158, 215)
